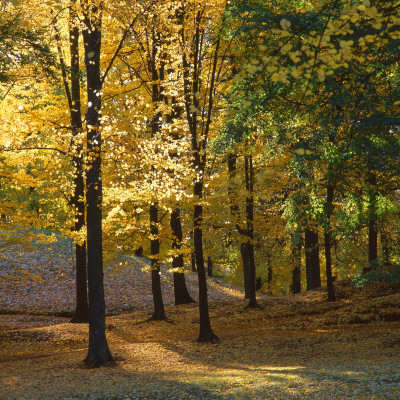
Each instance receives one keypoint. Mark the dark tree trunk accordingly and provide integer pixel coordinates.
(99, 352)
(81, 313)
(72, 91)
(246, 269)
(373, 222)
(249, 174)
(296, 271)
(139, 251)
(313, 273)
(159, 311)
(269, 277)
(206, 334)
(157, 74)
(209, 266)
(327, 236)
(386, 244)
(193, 261)
(181, 292)
(373, 241)
(235, 212)
(192, 85)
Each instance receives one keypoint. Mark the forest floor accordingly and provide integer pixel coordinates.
(293, 347)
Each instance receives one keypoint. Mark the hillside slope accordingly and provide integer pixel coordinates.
(41, 280)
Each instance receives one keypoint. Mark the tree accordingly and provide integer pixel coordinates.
(98, 352)
(318, 63)
(151, 63)
(199, 92)
(296, 260)
(181, 293)
(311, 246)
(247, 232)
(73, 93)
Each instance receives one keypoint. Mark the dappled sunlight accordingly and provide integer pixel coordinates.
(286, 350)
(159, 359)
(227, 289)
(299, 382)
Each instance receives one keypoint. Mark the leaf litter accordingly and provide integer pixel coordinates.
(294, 347)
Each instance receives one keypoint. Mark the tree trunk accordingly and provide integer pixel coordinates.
(372, 241)
(193, 261)
(98, 352)
(81, 313)
(386, 243)
(296, 271)
(159, 311)
(209, 266)
(181, 292)
(327, 236)
(235, 212)
(192, 85)
(373, 223)
(249, 175)
(206, 334)
(313, 273)
(157, 74)
(246, 269)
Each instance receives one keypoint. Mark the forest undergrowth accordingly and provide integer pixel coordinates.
(293, 347)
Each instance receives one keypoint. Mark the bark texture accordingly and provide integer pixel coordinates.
(327, 235)
(98, 353)
(181, 292)
(296, 271)
(313, 270)
(159, 310)
(81, 313)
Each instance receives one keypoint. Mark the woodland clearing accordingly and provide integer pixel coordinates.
(294, 347)
(245, 131)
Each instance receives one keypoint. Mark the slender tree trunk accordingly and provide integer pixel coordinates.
(193, 261)
(98, 352)
(81, 313)
(206, 333)
(235, 212)
(259, 283)
(157, 75)
(313, 272)
(209, 266)
(372, 240)
(373, 222)
(159, 311)
(296, 271)
(386, 243)
(270, 275)
(327, 236)
(72, 91)
(246, 269)
(249, 174)
(192, 84)
(181, 292)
